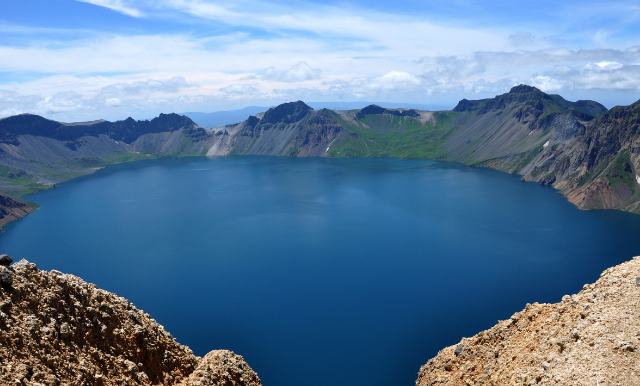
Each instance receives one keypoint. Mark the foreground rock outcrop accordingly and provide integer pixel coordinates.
(56, 329)
(587, 339)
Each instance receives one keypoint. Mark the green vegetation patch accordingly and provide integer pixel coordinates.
(126, 157)
(550, 108)
(394, 136)
(16, 188)
(62, 174)
(621, 171)
(592, 174)
(88, 162)
(12, 173)
(17, 182)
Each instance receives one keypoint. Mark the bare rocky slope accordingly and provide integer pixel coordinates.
(595, 164)
(590, 338)
(56, 329)
(12, 209)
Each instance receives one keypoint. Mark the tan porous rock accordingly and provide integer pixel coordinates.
(591, 338)
(222, 368)
(56, 329)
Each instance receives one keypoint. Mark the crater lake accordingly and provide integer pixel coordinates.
(321, 272)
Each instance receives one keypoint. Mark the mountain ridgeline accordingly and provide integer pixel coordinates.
(590, 154)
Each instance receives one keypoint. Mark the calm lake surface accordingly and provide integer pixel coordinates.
(324, 272)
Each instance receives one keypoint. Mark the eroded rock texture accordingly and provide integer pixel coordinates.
(56, 329)
(592, 338)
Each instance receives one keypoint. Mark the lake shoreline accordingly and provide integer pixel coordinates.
(93, 170)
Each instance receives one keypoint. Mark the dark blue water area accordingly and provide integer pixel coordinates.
(321, 271)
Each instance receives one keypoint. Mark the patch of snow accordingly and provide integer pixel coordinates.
(638, 178)
(530, 132)
(546, 144)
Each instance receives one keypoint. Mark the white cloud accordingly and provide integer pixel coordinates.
(138, 95)
(297, 73)
(604, 66)
(61, 102)
(522, 58)
(239, 89)
(611, 77)
(115, 5)
(113, 102)
(452, 67)
(8, 112)
(341, 52)
(147, 87)
(395, 80)
(325, 20)
(393, 83)
(548, 84)
(551, 70)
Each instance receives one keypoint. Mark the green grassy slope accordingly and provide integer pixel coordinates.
(385, 135)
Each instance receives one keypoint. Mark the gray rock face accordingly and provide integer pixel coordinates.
(5, 260)
(566, 127)
(6, 278)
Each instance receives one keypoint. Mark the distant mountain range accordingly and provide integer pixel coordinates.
(590, 154)
(221, 118)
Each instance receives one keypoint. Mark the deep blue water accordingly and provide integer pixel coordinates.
(321, 271)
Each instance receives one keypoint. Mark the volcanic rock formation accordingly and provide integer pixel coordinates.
(56, 329)
(589, 338)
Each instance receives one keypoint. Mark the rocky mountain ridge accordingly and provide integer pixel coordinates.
(588, 153)
(56, 329)
(599, 166)
(128, 131)
(590, 338)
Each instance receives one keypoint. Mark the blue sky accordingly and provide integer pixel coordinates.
(75, 60)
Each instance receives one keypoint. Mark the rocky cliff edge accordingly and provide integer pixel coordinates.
(591, 338)
(56, 329)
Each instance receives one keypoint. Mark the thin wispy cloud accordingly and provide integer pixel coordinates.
(297, 73)
(116, 5)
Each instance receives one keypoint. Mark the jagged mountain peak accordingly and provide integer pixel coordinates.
(252, 121)
(289, 112)
(523, 89)
(23, 124)
(532, 96)
(522, 95)
(373, 109)
(172, 120)
(28, 120)
(467, 105)
(376, 110)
